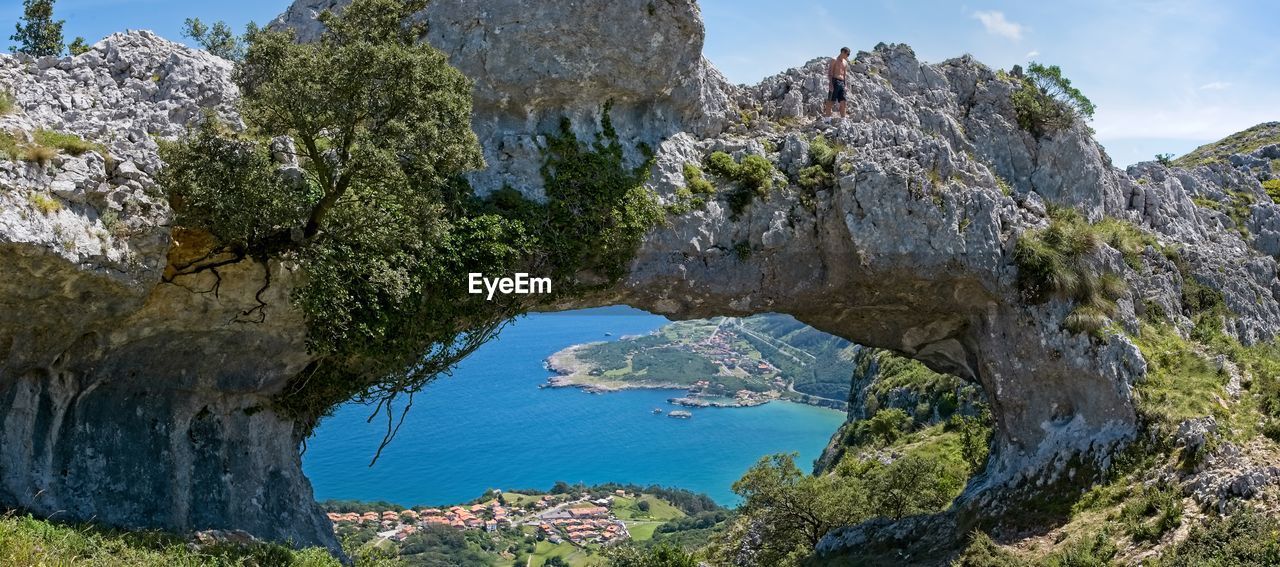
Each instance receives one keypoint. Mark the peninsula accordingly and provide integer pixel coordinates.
(718, 362)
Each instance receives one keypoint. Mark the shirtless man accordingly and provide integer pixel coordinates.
(837, 72)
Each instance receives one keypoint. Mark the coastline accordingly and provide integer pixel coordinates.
(570, 372)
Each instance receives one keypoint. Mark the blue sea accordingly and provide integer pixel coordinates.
(491, 426)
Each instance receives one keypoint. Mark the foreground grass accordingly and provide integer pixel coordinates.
(25, 540)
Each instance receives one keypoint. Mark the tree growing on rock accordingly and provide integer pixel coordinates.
(352, 168)
(38, 34)
(789, 511)
(218, 39)
(1047, 102)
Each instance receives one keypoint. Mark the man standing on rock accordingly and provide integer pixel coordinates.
(837, 72)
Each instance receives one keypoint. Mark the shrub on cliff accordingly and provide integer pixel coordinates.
(1046, 101)
(754, 175)
(822, 156)
(785, 512)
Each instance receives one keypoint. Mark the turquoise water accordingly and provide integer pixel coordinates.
(490, 426)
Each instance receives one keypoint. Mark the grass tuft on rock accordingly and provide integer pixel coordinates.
(9, 148)
(821, 171)
(1153, 512)
(70, 143)
(1272, 187)
(44, 203)
(41, 155)
(1057, 261)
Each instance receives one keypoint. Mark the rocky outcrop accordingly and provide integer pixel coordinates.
(137, 395)
(129, 393)
(535, 62)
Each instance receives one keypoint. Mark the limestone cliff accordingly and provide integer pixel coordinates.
(138, 396)
(129, 393)
(535, 62)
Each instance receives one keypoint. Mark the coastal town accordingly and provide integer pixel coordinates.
(558, 519)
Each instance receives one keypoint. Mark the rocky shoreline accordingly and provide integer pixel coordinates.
(697, 402)
(570, 372)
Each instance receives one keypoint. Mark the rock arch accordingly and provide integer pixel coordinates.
(144, 401)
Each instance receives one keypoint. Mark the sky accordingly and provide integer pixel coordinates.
(1166, 75)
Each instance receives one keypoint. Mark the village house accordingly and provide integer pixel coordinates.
(588, 512)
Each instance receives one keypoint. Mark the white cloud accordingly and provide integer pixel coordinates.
(1215, 86)
(995, 23)
(1032, 53)
(1188, 119)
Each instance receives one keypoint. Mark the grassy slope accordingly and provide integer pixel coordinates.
(1241, 142)
(28, 541)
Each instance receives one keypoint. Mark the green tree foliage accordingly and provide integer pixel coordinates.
(581, 183)
(440, 545)
(691, 503)
(218, 39)
(38, 34)
(77, 46)
(659, 556)
(975, 438)
(910, 485)
(791, 511)
(376, 213)
(1046, 101)
(887, 425)
(230, 186)
(785, 512)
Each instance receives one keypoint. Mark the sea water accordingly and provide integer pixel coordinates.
(491, 426)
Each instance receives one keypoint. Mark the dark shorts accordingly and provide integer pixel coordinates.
(837, 90)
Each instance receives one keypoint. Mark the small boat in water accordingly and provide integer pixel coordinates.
(657, 411)
(608, 334)
(680, 414)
